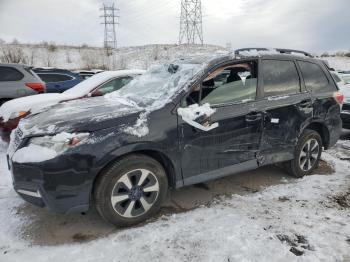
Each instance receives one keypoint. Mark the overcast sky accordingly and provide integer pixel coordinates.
(312, 25)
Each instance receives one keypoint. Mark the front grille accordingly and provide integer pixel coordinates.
(18, 138)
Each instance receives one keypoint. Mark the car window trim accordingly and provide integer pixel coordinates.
(13, 68)
(213, 68)
(328, 76)
(301, 83)
(47, 73)
(110, 80)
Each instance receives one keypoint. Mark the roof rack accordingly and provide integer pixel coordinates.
(280, 50)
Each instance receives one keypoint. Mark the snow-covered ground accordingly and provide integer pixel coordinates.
(339, 63)
(309, 217)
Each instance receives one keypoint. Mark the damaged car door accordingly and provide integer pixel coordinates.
(287, 105)
(219, 127)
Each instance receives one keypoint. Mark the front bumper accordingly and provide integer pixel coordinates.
(54, 184)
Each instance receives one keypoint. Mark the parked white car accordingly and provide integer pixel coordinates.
(98, 85)
(337, 77)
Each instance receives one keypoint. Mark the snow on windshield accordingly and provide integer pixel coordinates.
(154, 89)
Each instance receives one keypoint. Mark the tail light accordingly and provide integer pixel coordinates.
(38, 87)
(339, 97)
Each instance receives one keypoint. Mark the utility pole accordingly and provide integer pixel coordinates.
(110, 21)
(191, 22)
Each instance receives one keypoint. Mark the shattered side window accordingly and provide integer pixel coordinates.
(230, 84)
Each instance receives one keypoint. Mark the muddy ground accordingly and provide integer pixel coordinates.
(47, 228)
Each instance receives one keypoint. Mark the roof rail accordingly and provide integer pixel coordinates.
(280, 50)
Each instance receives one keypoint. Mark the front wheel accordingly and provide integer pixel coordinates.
(307, 154)
(131, 190)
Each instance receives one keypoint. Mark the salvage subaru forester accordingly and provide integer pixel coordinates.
(179, 124)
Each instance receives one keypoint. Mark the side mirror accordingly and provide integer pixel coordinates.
(198, 117)
(95, 93)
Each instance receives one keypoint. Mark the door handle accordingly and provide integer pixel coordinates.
(206, 128)
(253, 117)
(305, 103)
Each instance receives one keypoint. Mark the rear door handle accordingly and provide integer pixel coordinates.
(253, 117)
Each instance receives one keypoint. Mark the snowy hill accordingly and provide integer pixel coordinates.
(72, 57)
(140, 57)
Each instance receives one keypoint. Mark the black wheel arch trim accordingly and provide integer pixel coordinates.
(150, 149)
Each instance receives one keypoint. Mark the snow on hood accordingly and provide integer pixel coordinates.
(75, 115)
(37, 103)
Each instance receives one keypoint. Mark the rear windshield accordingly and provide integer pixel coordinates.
(53, 77)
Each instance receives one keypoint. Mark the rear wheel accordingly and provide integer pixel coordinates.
(131, 190)
(307, 154)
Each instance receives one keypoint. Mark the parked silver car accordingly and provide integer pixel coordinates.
(18, 80)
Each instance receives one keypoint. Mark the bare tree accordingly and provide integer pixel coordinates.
(155, 53)
(32, 56)
(13, 54)
(68, 58)
(49, 56)
(95, 59)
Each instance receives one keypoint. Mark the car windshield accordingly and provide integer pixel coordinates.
(157, 85)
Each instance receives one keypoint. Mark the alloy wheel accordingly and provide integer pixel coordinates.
(309, 154)
(135, 193)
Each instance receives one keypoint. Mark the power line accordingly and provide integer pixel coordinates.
(191, 22)
(110, 21)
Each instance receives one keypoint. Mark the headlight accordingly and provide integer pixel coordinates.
(60, 142)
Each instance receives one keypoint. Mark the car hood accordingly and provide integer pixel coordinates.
(83, 115)
(33, 104)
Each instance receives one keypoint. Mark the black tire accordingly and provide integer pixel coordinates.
(130, 170)
(294, 167)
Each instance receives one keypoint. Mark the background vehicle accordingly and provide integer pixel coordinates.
(338, 79)
(98, 85)
(18, 80)
(345, 77)
(58, 80)
(345, 114)
(85, 74)
(177, 125)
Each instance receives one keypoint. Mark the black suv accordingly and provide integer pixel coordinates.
(179, 124)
